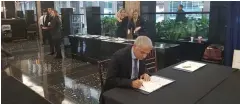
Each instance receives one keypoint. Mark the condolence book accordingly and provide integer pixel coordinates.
(155, 83)
(189, 66)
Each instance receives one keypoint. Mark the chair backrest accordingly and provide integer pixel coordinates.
(102, 69)
(151, 61)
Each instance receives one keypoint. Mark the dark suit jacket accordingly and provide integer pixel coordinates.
(55, 27)
(140, 22)
(120, 69)
(181, 16)
(122, 28)
(48, 19)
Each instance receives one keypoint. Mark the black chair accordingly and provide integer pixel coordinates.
(102, 68)
(32, 32)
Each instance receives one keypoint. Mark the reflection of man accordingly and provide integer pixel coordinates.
(55, 79)
(181, 16)
(127, 68)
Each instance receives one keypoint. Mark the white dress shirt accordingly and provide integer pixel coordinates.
(42, 20)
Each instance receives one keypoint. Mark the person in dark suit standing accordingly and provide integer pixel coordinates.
(136, 25)
(127, 67)
(55, 30)
(122, 23)
(181, 16)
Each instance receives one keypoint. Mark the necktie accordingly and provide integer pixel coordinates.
(135, 69)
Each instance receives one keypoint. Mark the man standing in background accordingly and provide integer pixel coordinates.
(181, 16)
(49, 36)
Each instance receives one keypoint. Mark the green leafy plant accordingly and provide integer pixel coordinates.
(202, 27)
(165, 29)
(171, 30)
(109, 25)
(168, 29)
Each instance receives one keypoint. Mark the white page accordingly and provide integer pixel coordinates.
(155, 83)
(119, 41)
(236, 59)
(189, 66)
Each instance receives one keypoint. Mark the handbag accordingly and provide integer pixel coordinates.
(213, 53)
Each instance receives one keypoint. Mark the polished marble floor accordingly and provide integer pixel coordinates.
(60, 81)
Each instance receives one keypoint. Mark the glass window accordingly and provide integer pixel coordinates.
(188, 6)
(119, 5)
(28, 5)
(110, 4)
(89, 3)
(79, 21)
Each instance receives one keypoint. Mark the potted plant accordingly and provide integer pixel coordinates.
(171, 30)
(202, 27)
(109, 25)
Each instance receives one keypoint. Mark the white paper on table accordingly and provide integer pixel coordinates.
(94, 36)
(102, 38)
(236, 59)
(119, 41)
(107, 40)
(6, 27)
(189, 66)
(155, 83)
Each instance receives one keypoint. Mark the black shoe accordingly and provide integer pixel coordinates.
(51, 53)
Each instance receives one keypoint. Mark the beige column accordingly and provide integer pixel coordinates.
(38, 16)
(4, 9)
(130, 6)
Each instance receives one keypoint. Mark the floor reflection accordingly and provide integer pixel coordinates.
(60, 81)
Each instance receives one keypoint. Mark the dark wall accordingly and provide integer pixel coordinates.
(93, 20)
(148, 10)
(29, 15)
(47, 4)
(10, 9)
(20, 14)
(66, 20)
(2, 15)
(218, 21)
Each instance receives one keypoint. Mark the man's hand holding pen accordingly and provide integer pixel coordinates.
(139, 82)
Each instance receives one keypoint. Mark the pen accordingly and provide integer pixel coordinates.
(142, 83)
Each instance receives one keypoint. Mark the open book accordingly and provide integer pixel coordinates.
(155, 83)
(189, 66)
